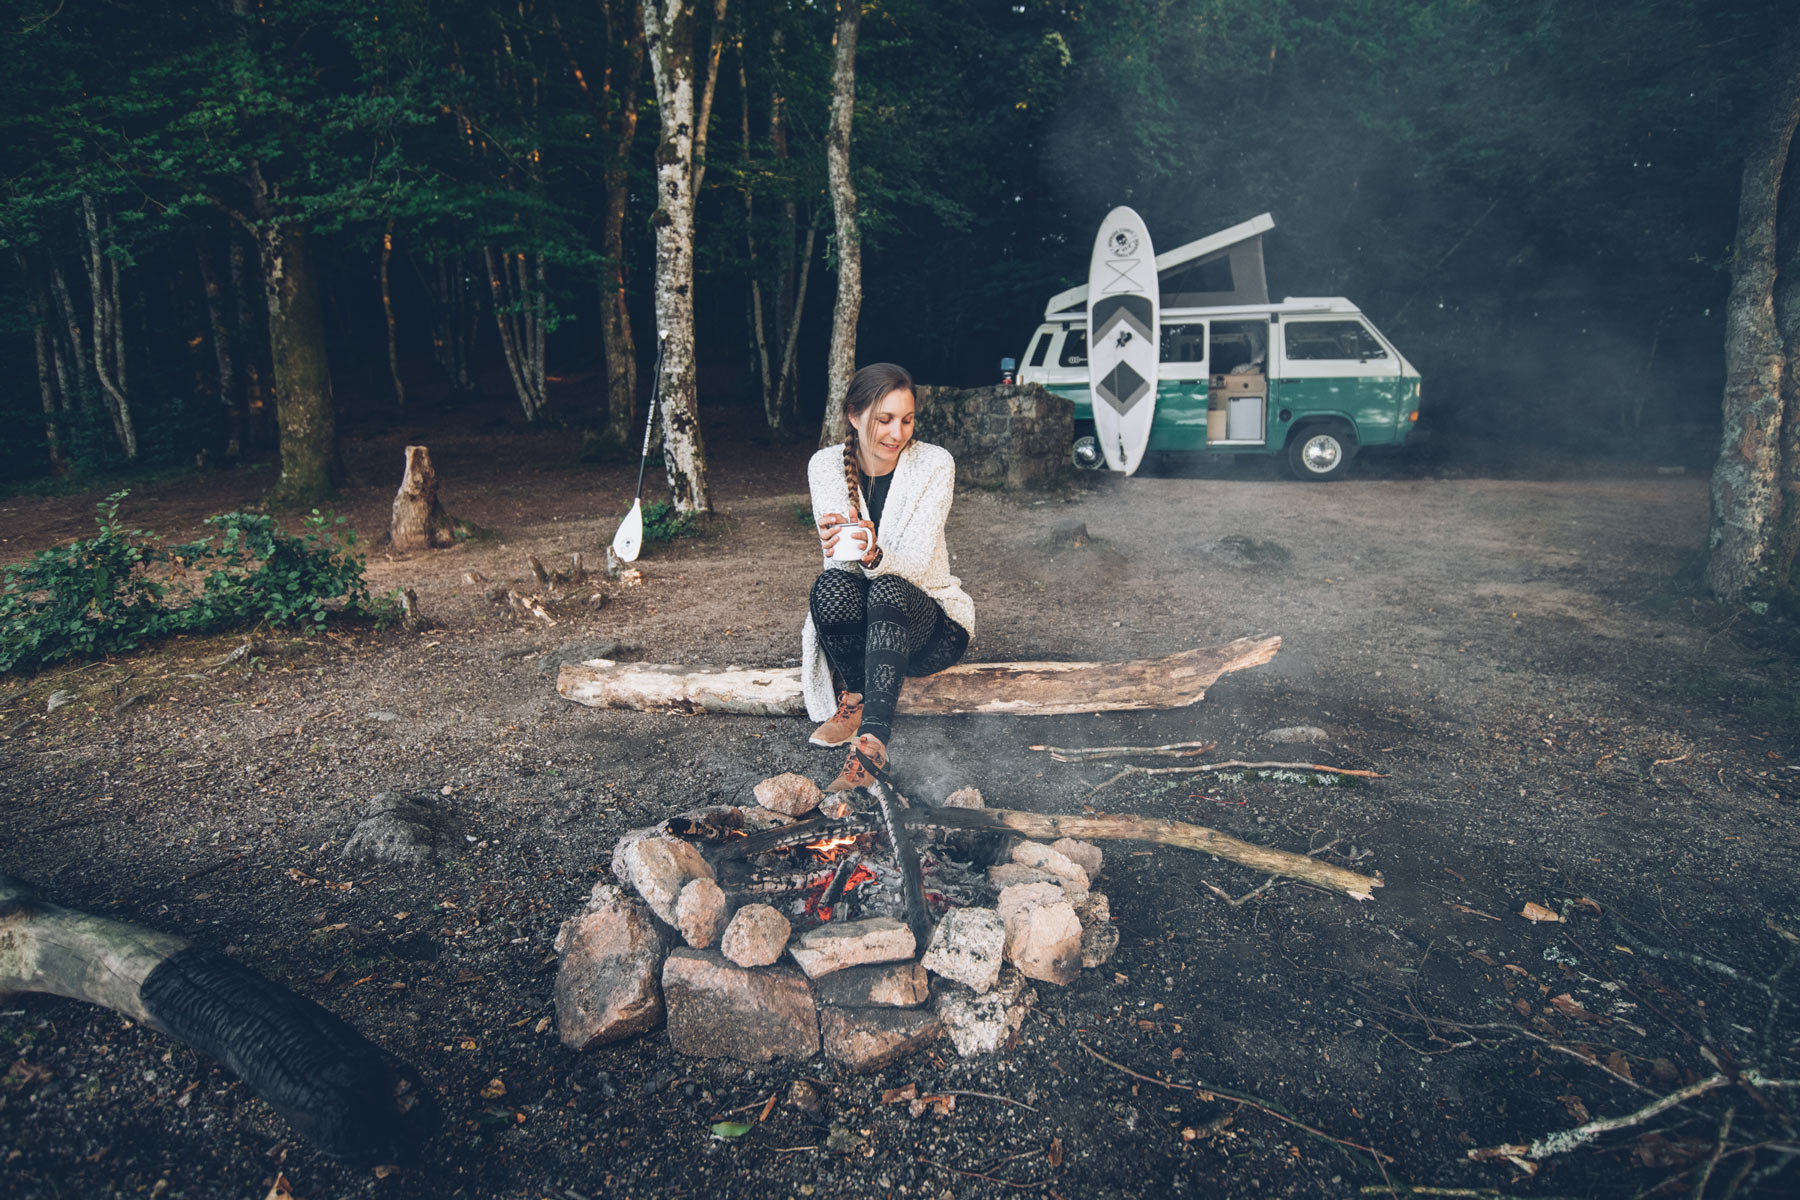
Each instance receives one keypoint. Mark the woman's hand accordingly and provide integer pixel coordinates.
(831, 527)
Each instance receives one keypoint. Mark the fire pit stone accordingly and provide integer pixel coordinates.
(964, 798)
(968, 946)
(1044, 858)
(720, 1010)
(790, 795)
(1043, 934)
(657, 867)
(852, 943)
(1086, 855)
(700, 912)
(886, 985)
(980, 1025)
(606, 988)
(756, 936)
(1005, 875)
(868, 1039)
(1099, 936)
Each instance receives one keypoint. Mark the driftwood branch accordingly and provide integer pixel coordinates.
(1237, 765)
(1172, 750)
(1021, 689)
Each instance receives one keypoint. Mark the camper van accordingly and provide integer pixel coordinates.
(1309, 379)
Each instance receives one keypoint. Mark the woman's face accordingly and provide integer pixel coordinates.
(883, 429)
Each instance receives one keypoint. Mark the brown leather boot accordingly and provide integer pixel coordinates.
(854, 774)
(843, 724)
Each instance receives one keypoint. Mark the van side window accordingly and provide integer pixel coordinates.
(1041, 348)
(1074, 349)
(1331, 340)
(1184, 343)
(1239, 345)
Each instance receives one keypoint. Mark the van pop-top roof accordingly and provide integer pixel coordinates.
(1222, 269)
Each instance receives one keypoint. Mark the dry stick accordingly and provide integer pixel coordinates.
(1027, 1186)
(1235, 765)
(1581, 1135)
(1258, 1105)
(1172, 750)
(1121, 827)
(990, 1096)
(1706, 1169)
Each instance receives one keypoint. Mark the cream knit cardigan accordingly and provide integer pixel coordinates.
(911, 537)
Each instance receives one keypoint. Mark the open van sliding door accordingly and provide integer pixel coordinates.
(1335, 367)
(1181, 388)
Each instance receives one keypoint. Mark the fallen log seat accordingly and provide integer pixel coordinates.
(1019, 689)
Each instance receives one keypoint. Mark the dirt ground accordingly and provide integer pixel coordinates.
(1559, 717)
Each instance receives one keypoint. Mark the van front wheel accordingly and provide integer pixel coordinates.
(1320, 454)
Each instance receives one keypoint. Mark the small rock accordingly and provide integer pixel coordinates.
(1085, 855)
(1043, 934)
(851, 944)
(791, 795)
(1290, 735)
(868, 1039)
(1044, 858)
(576, 652)
(889, 985)
(607, 987)
(397, 829)
(968, 946)
(700, 912)
(1005, 875)
(964, 798)
(756, 936)
(835, 807)
(981, 1024)
(1099, 936)
(805, 1096)
(1068, 535)
(383, 715)
(58, 698)
(658, 867)
(718, 1010)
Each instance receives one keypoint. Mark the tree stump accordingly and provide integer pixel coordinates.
(420, 522)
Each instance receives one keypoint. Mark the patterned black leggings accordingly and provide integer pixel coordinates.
(878, 631)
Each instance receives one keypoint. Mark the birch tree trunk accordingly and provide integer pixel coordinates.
(38, 303)
(517, 284)
(231, 418)
(80, 365)
(305, 418)
(669, 37)
(387, 312)
(109, 338)
(1744, 541)
(842, 363)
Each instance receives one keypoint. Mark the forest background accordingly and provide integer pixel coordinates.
(330, 212)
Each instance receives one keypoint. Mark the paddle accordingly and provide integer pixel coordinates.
(630, 538)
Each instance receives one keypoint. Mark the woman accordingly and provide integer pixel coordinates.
(897, 611)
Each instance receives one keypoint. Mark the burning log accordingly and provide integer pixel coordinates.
(1085, 827)
(1020, 689)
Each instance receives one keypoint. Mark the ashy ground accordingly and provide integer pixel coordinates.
(1561, 720)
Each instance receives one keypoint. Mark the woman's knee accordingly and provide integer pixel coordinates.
(892, 591)
(836, 596)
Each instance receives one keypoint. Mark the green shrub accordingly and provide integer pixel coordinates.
(122, 587)
(662, 523)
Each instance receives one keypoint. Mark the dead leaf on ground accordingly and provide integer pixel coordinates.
(281, 1189)
(1618, 1064)
(1537, 912)
(1577, 1109)
(496, 1088)
(1056, 1152)
(1589, 903)
(1568, 1006)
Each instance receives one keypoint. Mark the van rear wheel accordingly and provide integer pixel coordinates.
(1320, 453)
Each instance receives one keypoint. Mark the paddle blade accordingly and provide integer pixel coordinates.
(630, 539)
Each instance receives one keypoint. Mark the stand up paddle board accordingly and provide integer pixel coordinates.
(1122, 338)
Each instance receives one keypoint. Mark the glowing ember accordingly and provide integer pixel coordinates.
(830, 849)
(816, 890)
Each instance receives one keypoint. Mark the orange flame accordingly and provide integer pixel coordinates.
(831, 848)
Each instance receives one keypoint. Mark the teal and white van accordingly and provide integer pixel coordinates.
(1310, 379)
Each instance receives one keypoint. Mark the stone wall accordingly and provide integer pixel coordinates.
(1010, 435)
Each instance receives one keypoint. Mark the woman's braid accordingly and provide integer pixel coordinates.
(852, 473)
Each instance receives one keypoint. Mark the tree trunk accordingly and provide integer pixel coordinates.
(81, 364)
(1744, 541)
(305, 418)
(703, 119)
(387, 312)
(842, 363)
(256, 413)
(1018, 689)
(785, 385)
(517, 285)
(231, 420)
(109, 337)
(38, 304)
(419, 520)
(1787, 324)
(669, 37)
(623, 75)
(759, 339)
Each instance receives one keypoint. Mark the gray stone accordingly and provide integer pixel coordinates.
(719, 1010)
(868, 1039)
(1085, 855)
(964, 798)
(981, 1024)
(1043, 934)
(1295, 735)
(889, 985)
(756, 936)
(791, 795)
(1043, 858)
(1005, 875)
(58, 698)
(607, 986)
(398, 829)
(968, 946)
(852, 944)
(1099, 936)
(384, 716)
(658, 867)
(700, 912)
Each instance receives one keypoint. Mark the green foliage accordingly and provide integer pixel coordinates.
(112, 592)
(663, 524)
